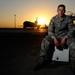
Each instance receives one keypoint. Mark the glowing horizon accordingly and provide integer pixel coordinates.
(28, 10)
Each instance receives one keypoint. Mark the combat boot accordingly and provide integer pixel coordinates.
(41, 63)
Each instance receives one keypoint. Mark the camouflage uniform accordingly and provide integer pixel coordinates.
(59, 29)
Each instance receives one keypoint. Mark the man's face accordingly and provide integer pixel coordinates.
(61, 11)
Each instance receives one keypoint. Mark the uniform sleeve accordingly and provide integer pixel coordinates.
(71, 28)
(51, 29)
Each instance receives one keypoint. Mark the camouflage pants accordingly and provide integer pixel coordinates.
(47, 46)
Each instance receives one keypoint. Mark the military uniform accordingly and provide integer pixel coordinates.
(59, 28)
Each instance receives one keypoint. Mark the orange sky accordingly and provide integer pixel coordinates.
(28, 10)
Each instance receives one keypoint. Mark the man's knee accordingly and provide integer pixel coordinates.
(70, 41)
(45, 45)
(49, 39)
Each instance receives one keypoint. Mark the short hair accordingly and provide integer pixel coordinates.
(62, 5)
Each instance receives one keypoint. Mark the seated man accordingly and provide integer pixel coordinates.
(60, 31)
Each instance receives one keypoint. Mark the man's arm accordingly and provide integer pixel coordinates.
(51, 29)
(71, 28)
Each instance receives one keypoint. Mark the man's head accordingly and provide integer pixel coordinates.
(61, 10)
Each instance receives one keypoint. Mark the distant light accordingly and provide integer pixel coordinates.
(41, 21)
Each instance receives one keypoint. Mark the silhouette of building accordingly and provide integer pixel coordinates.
(29, 24)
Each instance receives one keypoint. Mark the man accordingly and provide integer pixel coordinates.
(60, 32)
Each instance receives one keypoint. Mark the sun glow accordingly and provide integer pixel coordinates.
(41, 21)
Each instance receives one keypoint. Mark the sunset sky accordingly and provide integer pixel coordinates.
(28, 10)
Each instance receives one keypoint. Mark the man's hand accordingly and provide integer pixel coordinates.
(63, 41)
(56, 42)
